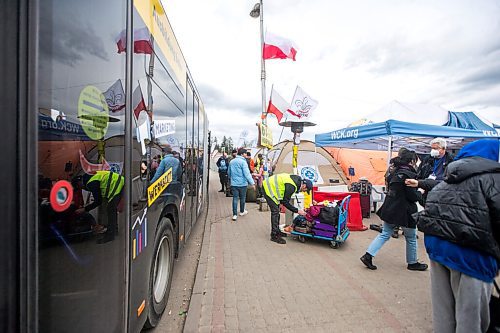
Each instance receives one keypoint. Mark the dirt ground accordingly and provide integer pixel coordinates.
(182, 282)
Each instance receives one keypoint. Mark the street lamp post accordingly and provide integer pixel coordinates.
(258, 11)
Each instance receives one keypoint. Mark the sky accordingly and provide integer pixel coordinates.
(353, 57)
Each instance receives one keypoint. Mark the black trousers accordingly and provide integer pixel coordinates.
(275, 215)
(112, 215)
(223, 180)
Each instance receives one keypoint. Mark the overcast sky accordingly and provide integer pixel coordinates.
(353, 57)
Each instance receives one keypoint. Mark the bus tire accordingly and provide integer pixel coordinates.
(160, 277)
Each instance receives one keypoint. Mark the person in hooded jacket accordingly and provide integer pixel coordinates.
(461, 224)
(396, 211)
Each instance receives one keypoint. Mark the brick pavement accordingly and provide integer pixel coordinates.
(246, 283)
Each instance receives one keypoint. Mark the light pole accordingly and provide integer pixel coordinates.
(258, 11)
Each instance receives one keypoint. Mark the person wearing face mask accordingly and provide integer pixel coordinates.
(434, 166)
(396, 211)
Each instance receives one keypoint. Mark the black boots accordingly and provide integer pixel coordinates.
(277, 239)
(367, 260)
(417, 267)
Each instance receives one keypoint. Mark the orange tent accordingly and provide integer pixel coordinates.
(371, 164)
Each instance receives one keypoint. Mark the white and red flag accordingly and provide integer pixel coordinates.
(276, 47)
(277, 105)
(302, 105)
(142, 41)
(115, 98)
(138, 103)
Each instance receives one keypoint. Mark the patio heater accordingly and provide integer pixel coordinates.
(297, 127)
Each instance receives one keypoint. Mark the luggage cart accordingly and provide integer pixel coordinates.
(335, 234)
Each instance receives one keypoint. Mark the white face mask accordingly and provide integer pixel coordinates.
(434, 153)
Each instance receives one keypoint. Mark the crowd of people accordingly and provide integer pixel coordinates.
(460, 220)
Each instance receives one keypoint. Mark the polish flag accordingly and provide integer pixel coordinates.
(276, 47)
(138, 101)
(142, 41)
(302, 105)
(277, 105)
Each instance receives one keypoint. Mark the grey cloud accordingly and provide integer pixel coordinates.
(216, 99)
(384, 57)
(483, 77)
(68, 42)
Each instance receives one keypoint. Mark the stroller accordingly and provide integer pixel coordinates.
(336, 234)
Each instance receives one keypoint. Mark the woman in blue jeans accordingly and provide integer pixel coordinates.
(399, 204)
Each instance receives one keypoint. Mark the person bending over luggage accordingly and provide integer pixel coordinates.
(279, 189)
(397, 209)
(106, 188)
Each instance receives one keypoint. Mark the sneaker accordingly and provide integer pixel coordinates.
(367, 260)
(235, 217)
(278, 239)
(417, 267)
(245, 212)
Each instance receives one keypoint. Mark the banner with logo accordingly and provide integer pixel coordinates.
(265, 136)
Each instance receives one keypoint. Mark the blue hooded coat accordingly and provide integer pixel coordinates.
(461, 220)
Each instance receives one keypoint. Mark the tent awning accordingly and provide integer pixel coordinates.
(375, 136)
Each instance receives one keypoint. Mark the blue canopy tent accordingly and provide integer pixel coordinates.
(390, 135)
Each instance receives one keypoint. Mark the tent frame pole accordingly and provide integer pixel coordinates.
(389, 151)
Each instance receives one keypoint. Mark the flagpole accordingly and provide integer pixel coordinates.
(258, 11)
(262, 62)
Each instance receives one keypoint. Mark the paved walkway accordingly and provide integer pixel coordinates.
(246, 283)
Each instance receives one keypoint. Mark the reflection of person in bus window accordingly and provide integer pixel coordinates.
(168, 161)
(106, 188)
(144, 170)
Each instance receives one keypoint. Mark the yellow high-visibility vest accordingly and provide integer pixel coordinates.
(274, 186)
(110, 183)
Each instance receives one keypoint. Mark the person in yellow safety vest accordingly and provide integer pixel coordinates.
(279, 189)
(106, 187)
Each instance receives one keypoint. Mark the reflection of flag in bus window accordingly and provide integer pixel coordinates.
(138, 101)
(142, 41)
(115, 98)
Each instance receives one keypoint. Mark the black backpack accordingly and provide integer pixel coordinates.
(329, 215)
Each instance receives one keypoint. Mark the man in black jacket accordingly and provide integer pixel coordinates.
(434, 166)
(461, 223)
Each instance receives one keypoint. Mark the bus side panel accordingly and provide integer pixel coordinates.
(81, 127)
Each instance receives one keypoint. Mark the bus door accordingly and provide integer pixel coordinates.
(190, 160)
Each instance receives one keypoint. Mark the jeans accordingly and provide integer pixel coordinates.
(241, 193)
(385, 235)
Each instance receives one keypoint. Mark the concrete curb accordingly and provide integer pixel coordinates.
(194, 310)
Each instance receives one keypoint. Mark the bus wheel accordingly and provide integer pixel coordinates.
(161, 271)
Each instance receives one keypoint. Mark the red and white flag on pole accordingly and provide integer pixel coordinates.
(115, 98)
(142, 41)
(138, 101)
(277, 105)
(302, 105)
(276, 47)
